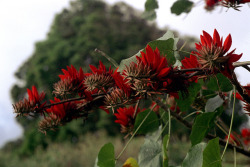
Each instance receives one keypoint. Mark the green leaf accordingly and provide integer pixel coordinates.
(181, 6)
(127, 62)
(166, 44)
(150, 124)
(150, 154)
(106, 156)
(225, 84)
(202, 124)
(213, 103)
(165, 150)
(184, 102)
(211, 154)
(194, 157)
(166, 48)
(150, 6)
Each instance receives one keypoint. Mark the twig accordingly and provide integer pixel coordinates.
(70, 100)
(238, 64)
(107, 57)
(239, 88)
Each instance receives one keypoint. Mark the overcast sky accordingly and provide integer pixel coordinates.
(27, 21)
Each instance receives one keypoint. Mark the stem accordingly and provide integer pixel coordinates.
(124, 148)
(169, 126)
(235, 162)
(238, 64)
(191, 114)
(239, 88)
(230, 128)
(73, 99)
(107, 57)
(136, 108)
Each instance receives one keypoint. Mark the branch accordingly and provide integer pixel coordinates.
(189, 125)
(238, 64)
(239, 88)
(69, 100)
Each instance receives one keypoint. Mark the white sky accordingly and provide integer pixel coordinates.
(23, 22)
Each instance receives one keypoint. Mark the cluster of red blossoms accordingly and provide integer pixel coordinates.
(106, 89)
(235, 4)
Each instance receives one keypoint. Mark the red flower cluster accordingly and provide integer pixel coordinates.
(212, 55)
(71, 82)
(30, 105)
(101, 79)
(235, 4)
(210, 4)
(63, 110)
(126, 118)
(35, 98)
(158, 64)
(152, 74)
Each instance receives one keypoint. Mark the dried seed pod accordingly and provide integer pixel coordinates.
(50, 122)
(115, 98)
(99, 81)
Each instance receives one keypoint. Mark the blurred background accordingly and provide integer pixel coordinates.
(39, 38)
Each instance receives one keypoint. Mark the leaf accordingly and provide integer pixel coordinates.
(194, 157)
(106, 156)
(128, 61)
(202, 124)
(130, 162)
(181, 6)
(165, 150)
(213, 103)
(166, 44)
(150, 6)
(184, 102)
(150, 154)
(149, 125)
(211, 154)
(166, 49)
(225, 84)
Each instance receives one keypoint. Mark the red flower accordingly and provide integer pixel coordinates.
(210, 4)
(103, 79)
(189, 63)
(155, 61)
(245, 133)
(35, 98)
(121, 82)
(73, 74)
(101, 69)
(63, 109)
(211, 53)
(71, 82)
(125, 117)
(235, 4)
(30, 105)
